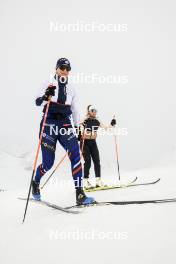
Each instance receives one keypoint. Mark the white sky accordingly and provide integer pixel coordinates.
(145, 53)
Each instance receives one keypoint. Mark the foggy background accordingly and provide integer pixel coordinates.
(144, 53)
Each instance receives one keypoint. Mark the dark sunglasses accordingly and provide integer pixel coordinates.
(65, 67)
(93, 110)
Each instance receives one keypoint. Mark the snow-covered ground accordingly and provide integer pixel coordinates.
(115, 234)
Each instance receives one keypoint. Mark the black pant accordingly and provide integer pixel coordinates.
(90, 150)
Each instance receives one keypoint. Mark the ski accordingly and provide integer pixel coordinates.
(156, 201)
(131, 184)
(145, 183)
(53, 206)
(102, 188)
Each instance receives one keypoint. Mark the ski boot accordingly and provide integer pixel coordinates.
(82, 199)
(87, 184)
(99, 182)
(36, 191)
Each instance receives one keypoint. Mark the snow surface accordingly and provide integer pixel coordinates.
(114, 234)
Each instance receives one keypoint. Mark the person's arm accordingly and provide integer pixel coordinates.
(75, 110)
(39, 98)
(39, 101)
(83, 122)
(112, 124)
(50, 91)
(45, 91)
(102, 125)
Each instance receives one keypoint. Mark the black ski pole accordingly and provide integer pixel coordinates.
(117, 156)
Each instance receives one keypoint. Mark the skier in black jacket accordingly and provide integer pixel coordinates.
(89, 146)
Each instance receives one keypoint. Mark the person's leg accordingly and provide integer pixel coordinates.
(87, 164)
(87, 159)
(96, 159)
(48, 145)
(70, 144)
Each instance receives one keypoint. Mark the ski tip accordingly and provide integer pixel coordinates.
(158, 180)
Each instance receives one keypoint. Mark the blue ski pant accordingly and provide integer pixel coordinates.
(61, 131)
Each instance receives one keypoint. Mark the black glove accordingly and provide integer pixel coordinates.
(50, 91)
(113, 122)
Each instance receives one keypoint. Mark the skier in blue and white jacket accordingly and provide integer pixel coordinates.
(63, 113)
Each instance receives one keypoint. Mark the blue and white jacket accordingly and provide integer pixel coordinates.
(65, 101)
